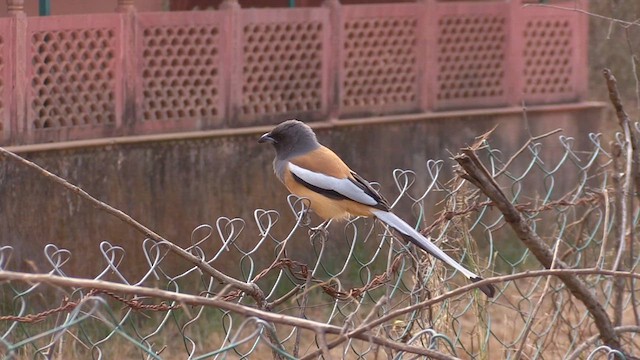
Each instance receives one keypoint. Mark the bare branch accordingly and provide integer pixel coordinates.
(477, 174)
(592, 340)
(630, 147)
(534, 313)
(624, 23)
(250, 288)
(189, 299)
(523, 148)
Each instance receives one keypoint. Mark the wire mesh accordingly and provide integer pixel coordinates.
(358, 271)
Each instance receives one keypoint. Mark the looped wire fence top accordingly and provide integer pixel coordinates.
(356, 273)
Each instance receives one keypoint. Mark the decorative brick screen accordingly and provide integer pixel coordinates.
(470, 67)
(181, 68)
(283, 67)
(380, 58)
(136, 73)
(72, 72)
(547, 55)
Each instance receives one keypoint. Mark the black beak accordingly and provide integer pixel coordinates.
(266, 138)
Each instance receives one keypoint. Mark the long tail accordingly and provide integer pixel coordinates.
(410, 234)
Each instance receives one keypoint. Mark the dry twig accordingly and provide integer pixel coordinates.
(477, 174)
(188, 299)
(250, 288)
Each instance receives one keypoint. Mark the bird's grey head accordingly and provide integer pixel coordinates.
(291, 138)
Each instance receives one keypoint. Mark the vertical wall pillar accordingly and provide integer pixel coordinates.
(18, 127)
(582, 51)
(125, 6)
(334, 58)
(126, 98)
(515, 59)
(232, 62)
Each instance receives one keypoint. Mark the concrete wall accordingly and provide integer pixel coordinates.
(173, 186)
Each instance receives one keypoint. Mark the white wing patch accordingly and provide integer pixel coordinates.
(342, 186)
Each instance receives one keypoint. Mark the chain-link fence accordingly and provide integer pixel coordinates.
(359, 292)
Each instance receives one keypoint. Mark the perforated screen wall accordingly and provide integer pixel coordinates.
(72, 78)
(282, 67)
(181, 74)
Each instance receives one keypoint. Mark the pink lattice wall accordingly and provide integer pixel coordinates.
(72, 70)
(469, 64)
(553, 53)
(180, 57)
(380, 58)
(136, 73)
(283, 63)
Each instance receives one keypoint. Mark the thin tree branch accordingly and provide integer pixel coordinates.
(605, 229)
(534, 313)
(189, 299)
(523, 148)
(250, 288)
(303, 309)
(362, 332)
(624, 23)
(322, 342)
(624, 200)
(463, 289)
(618, 228)
(629, 138)
(592, 340)
(476, 173)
